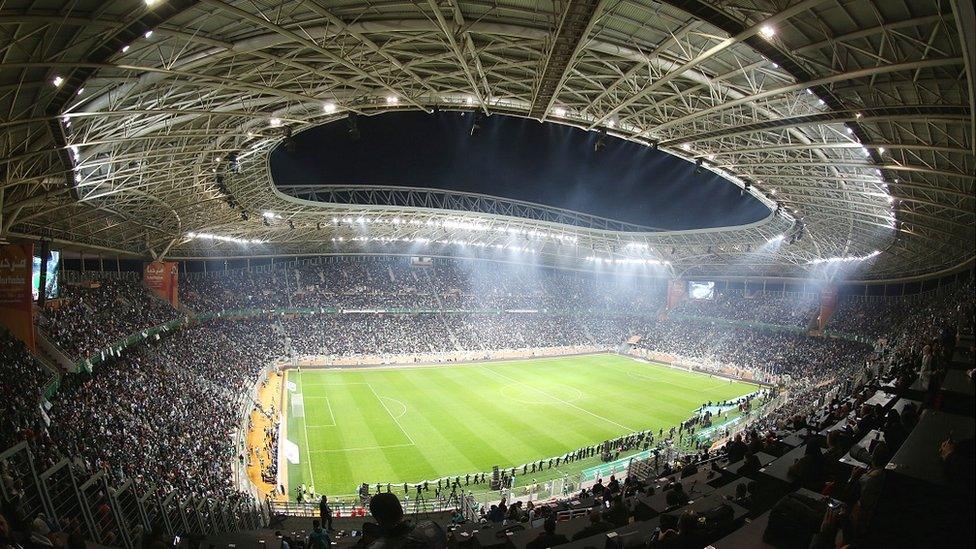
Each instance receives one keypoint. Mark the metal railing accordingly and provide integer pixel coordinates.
(89, 504)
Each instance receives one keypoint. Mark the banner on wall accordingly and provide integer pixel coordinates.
(162, 277)
(676, 292)
(828, 302)
(16, 297)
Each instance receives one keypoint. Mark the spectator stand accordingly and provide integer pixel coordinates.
(88, 505)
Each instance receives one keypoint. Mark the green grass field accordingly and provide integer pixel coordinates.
(410, 424)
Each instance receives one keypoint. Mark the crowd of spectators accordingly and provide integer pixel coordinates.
(796, 310)
(874, 317)
(776, 353)
(393, 283)
(92, 315)
(163, 412)
(20, 391)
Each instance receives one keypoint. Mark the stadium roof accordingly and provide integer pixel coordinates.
(130, 125)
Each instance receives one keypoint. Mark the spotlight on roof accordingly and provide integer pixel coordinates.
(288, 143)
(392, 100)
(767, 32)
(601, 142)
(329, 107)
(274, 122)
(559, 111)
(58, 81)
(476, 125)
(353, 129)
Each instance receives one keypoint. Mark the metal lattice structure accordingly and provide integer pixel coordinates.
(130, 124)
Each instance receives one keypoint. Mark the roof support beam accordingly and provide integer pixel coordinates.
(331, 18)
(922, 113)
(577, 21)
(706, 55)
(836, 145)
(824, 81)
(456, 48)
(310, 44)
(965, 16)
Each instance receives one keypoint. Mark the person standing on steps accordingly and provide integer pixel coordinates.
(325, 513)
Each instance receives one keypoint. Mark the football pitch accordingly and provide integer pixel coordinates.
(411, 424)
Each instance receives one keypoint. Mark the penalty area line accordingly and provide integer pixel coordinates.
(393, 417)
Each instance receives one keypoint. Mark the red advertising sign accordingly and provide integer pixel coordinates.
(16, 306)
(162, 278)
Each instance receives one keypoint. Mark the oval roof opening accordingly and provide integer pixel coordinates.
(516, 158)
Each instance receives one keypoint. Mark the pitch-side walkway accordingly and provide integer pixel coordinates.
(268, 395)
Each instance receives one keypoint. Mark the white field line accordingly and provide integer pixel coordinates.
(723, 381)
(402, 405)
(339, 450)
(308, 441)
(564, 402)
(394, 418)
(328, 403)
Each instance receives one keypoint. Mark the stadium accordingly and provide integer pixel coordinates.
(508, 274)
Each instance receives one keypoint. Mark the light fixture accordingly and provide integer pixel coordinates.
(222, 238)
(329, 107)
(148, 34)
(125, 48)
(275, 122)
(57, 81)
(392, 100)
(559, 111)
(767, 32)
(844, 259)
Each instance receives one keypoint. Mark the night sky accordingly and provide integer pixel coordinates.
(516, 158)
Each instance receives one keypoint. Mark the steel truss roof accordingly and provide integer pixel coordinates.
(854, 118)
